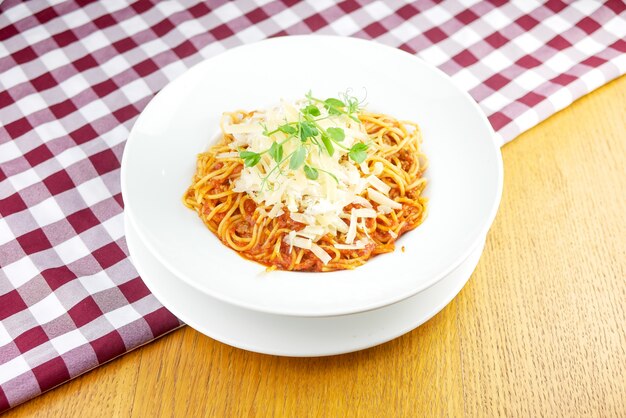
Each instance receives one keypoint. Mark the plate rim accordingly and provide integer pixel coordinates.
(365, 342)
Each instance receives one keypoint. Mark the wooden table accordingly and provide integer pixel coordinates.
(539, 330)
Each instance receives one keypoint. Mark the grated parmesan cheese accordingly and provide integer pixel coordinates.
(289, 240)
(295, 241)
(302, 243)
(380, 198)
(360, 200)
(351, 235)
(225, 155)
(275, 212)
(364, 213)
(320, 253)
(311, 232)
(302, 218)
(384, 209)
(378, 184)
(318, 204)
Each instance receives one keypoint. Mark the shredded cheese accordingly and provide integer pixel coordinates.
(289, 239)
(380, 198)
(225, 155)
(378, 184)
(351, 235)
(340, 225)
(302, 243)
(364, 213)
(295, 241)
(384, 209)
(318, 204)
(320, 253)
(276, 211)
(360, 200)
(302, 218)
(311, 232)
(378, 168)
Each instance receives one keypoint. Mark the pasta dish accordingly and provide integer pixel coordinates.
(312, 185)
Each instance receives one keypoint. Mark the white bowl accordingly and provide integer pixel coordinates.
(465, 174)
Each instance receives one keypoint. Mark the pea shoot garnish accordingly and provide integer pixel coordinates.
(311, 137)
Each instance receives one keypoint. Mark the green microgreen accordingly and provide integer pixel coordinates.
(250, 159)
(310, 134)
(311, 110)
(310, 172)
(337, 134)
(328, 145)
(358, 152)
(308, 130)
(297, 158)
(287, 129)
(348, 107)
(334, 106)
(276, 151)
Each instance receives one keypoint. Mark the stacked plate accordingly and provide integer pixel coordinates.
(234, 300)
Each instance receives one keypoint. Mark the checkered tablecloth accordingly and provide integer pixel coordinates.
(74, 75)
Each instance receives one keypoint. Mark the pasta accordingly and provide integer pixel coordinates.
(263, 223)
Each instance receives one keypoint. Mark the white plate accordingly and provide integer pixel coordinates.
(465, 174)
(289, 335)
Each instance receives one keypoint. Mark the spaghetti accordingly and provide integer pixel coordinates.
(381, 211)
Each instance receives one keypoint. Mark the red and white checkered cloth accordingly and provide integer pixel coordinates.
(75, 75)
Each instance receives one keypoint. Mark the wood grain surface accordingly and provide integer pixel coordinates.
(539, 330)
